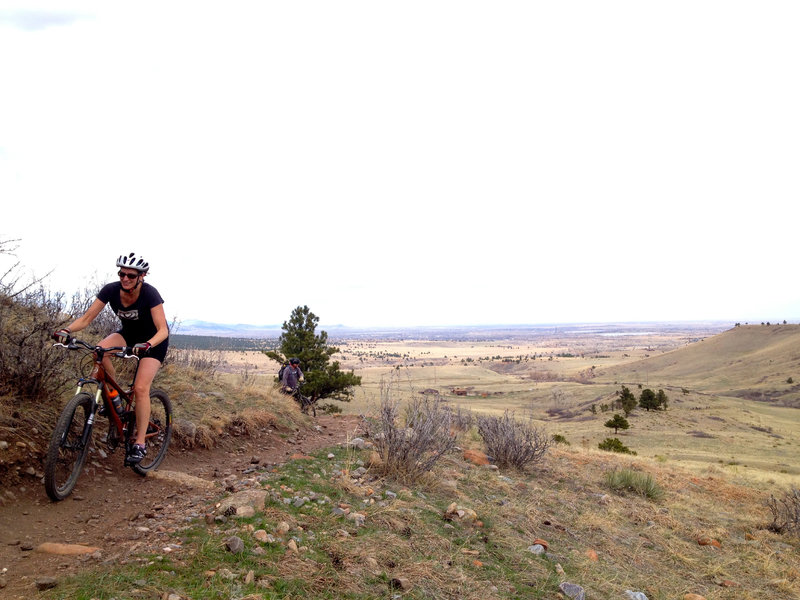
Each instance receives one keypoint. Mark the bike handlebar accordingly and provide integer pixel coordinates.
(118, 351)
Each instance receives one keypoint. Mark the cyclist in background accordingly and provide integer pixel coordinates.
(292, 376)
(140, 308)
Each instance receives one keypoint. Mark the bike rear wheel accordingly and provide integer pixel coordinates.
(66, 453)
(306, 404)
(159, 432)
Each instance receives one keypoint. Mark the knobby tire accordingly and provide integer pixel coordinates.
(65, 456)
(161, 428)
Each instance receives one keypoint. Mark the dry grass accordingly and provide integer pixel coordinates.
(600, 535)
(640, 544)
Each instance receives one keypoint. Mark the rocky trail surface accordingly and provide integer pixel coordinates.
(114, 513)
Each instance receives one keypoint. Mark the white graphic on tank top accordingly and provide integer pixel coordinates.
(130, 315)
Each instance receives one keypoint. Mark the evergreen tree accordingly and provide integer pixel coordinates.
(662, 400)
(648, 400)
(617, 422)
(324, 379)
(626, 400)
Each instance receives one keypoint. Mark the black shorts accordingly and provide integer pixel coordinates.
(158, 352)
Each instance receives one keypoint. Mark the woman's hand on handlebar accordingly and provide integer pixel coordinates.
(62, 335)
(141, 350)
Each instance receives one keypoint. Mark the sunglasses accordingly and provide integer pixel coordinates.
(128, 275)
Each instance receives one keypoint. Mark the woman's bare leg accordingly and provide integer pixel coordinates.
(148, 367)
(114, 339)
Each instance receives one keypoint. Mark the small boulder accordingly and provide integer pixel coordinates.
(45, 583)
(572, 590)
(358, 518)
(262, 536)
(455, 512)
(252, 498)
(707, 541)
(234, 544)
(400, 583)
(542, 542)
(476, 457)
(65, 549)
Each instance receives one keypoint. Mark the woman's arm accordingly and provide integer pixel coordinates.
(83, 321)
(160, 321)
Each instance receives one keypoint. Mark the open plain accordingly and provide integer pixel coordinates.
(732, 400)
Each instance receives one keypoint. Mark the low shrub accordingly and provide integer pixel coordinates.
(635, 481)
(410, 449)
(785, 512)
(560, 439)
(614, 445)
(512, 443)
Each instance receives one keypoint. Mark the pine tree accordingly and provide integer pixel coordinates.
(648, 400)
(626, 401)
(617, 422)
(662, 400)
(324, 379)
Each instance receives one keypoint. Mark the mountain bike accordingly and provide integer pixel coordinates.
(305, 402)
(72, 436)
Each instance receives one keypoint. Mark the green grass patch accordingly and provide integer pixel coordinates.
(635, 481)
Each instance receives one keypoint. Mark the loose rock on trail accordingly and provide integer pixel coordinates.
(114, 514)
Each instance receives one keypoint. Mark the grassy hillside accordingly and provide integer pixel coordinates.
(715, 459)
(715, 425)
(701, 534)
(750, 361)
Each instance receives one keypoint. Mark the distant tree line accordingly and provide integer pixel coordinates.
(211, 342)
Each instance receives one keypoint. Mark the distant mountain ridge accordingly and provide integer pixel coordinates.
(499, 331)
(195, 327)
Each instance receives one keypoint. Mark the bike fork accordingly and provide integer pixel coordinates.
(87, 427)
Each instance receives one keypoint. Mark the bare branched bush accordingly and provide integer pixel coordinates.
(30, 368)
(203, 361)
(104, 324)
(463, 419)
(410, 449)
(512, 443)
(785, 512)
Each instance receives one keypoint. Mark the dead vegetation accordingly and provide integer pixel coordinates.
(785, 512)
(513, 443)
(409, 447)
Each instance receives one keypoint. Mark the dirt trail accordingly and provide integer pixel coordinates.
(122, 513)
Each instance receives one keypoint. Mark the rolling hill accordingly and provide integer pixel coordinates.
(757, 362)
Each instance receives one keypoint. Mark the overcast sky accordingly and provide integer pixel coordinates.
(410, 163)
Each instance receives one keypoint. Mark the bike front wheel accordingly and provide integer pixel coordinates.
(159, 432)
(67, 451)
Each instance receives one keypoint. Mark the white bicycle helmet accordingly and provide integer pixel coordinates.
(132, 261)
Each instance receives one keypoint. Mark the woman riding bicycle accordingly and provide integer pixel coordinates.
(140, 308)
